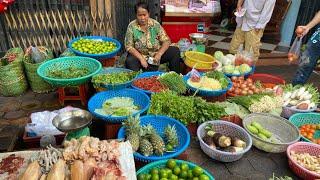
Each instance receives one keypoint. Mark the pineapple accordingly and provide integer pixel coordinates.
(156, 140)
(145, 146)
(171, 135)
(132, 126)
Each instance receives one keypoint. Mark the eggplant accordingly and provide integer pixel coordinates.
(233, 149)
(238, 142)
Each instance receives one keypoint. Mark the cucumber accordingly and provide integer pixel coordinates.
(253, 129)
(265, 132)
(257, 125)
(262, 136)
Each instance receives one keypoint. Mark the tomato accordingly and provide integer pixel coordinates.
(304, 134)
(308, 126)
(312, 131)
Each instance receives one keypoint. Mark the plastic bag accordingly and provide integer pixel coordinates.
(37, 56)
(244, 57)
(194, 75)
(295, 49)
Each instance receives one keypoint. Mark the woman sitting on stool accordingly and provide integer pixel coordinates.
(148, 44)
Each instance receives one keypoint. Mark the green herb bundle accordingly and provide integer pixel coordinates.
(114, 78)
(173, 81)
(218, 76)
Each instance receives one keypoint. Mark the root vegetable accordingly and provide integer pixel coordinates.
(238, 142)
(233, 149)
(209, 141)
(221, 140)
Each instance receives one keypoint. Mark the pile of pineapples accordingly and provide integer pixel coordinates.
(146, 140)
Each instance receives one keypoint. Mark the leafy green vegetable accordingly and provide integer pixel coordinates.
(173, 81)
(234, 109)
(68, 73)
(187, 109)
(118, 106)
(218, 76)
(113, 78)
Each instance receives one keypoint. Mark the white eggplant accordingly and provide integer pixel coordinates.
(287, 96)
(293, 102)
(301, 91)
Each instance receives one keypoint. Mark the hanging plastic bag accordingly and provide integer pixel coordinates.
(194, 75)
(295, 49)
(244, 57)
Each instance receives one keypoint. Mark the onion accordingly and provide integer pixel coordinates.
(237, 91)
(242, 86)
(241, 78)
(299, 31)
(234, 78)
(250, 92)
(256, 91)
(231, 89)
(250, 84)
(249, 80)
(246, 89)
(243, 92)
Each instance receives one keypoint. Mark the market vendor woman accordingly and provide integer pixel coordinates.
(145, 38)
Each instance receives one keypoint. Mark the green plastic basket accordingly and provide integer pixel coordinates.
(94, 66)
(162, 163)
(301, 119)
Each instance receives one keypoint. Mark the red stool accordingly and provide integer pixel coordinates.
(82, 96)
(108, 62)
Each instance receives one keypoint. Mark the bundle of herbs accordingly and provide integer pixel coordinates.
(114, 78)
(173, 81)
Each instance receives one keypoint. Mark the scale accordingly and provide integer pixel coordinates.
(74, 123)
(199, 40)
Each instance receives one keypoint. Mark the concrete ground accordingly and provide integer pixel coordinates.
(14, 111)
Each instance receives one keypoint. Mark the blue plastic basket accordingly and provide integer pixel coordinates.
(146, 75)
(206, 92)
(160, 123)
(158, 164)
(253, 68)
(115, 86)
(301, 119)
(96, 101)
(94, 66)
(96, 56)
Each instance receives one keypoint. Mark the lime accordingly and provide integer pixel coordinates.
(169, 172)
(174, 177)
(183, 174)
(195, 178)
(177, 170)
(164, 179)
(148, 176)
(155, 177)
(163, 173)
(171, 163)
(184, 167)
(190, 175)
(204, 177)
(154, 171)
(141, 176)
(197, 171)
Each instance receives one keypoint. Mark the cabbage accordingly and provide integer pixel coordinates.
(228, 69)
(244, 68)
(218, 55)
(231, 57)
(225, 61)
(236, 72)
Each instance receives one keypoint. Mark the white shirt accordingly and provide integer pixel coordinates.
(258, 14)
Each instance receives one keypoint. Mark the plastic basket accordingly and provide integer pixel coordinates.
(158, 164)
(281, 129)
(267, 78)
(206, 92)
(301, 119)
(92, 65)
(253, 68)
(111, 70)
(96, 56)
(96, 101)
(146, 75)
(160, 123)
(229, 129)
(198, 60)
(303, 147)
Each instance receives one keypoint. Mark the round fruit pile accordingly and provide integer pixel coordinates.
(92, 46)
(308, 131)
(175, 171)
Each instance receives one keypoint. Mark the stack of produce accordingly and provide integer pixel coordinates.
(308, 131)
(93, 46)
(222, 142)
(300, 97)
(146, 140)
(261, 132)
(187, 109)
(260, 103)
(312, 163)
(231, 64)
(173, 170)
(243, 86)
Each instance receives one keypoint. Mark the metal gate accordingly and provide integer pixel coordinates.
(53, 23)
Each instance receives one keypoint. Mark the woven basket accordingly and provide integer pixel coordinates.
(301, 119)
(159, 164)
(37, 84)
(12, 79)
(228, 129)
(281, 129)
(303, 147)
(160, 123)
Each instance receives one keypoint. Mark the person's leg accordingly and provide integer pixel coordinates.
(237, 40)
(308, 61)
(132, 63)
(172, 55)
(252, 40)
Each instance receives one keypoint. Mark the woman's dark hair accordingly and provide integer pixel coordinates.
(143, 5)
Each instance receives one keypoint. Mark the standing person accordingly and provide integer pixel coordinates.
(311, 55)
(251, 25)
(146, 38)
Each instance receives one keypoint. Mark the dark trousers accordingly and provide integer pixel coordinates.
(171, 56)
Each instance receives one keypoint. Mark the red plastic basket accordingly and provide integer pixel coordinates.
(267, 78)
(303, 147)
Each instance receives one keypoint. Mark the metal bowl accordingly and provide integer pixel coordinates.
(199, 38)
(72, 120)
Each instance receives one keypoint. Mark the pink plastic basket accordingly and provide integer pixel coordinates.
(303, 147)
